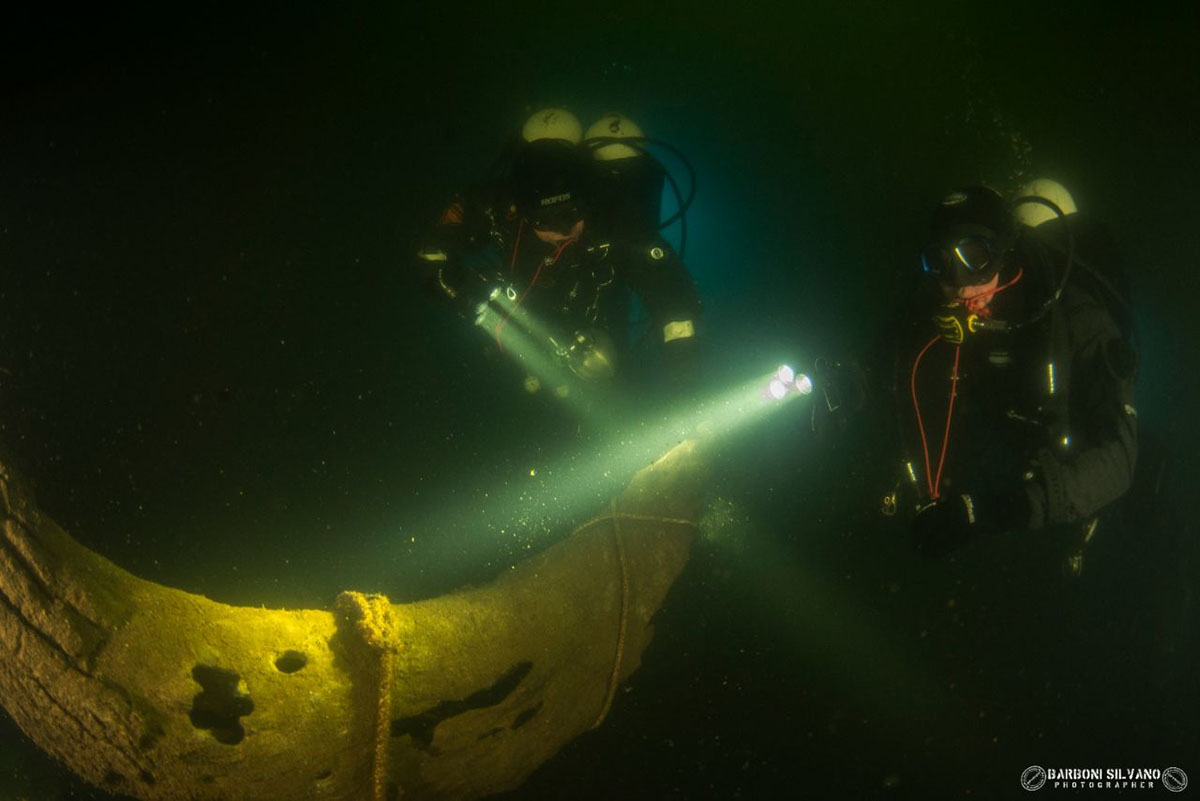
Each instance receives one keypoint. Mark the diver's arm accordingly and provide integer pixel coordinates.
(439, 259)
(436, 262)
(662, 282)
(1071, 486)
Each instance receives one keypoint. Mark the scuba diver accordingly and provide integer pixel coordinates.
(1013, 376)
(546, 255)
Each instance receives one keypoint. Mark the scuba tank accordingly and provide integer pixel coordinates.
(627, 181)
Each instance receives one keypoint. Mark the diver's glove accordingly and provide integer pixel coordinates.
(949, 523)
(463, 281)
(839, 391)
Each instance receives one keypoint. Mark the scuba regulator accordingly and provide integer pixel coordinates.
(977, 237)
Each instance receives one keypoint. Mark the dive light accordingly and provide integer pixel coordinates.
(785, 381)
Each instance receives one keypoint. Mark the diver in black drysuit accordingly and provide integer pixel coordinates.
(536, 236)
(1013, 410)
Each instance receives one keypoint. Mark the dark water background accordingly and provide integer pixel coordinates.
(216, 373)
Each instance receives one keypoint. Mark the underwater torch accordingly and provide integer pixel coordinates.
(785, 381)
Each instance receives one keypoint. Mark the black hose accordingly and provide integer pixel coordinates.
(639, 144)
(682, 217)
(1044, 309)
(684, 205)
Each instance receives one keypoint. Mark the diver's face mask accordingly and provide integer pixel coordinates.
(547, 177)
(970, 260)
(559, 218)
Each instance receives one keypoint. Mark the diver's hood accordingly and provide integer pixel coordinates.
(548, 181)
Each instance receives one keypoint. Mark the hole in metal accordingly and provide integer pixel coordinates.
(290, 662)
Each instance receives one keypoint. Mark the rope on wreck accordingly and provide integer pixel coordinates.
(619, 545)
(374, 625)
(622, 621)
(614, 516)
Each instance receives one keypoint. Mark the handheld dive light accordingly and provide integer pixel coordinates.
(785, 381)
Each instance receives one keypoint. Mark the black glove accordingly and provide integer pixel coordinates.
(465, 279)
(942, 527)
(839, 390)
(951, 522)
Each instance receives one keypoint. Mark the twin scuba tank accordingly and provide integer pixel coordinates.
(627, 181)
(620, 182)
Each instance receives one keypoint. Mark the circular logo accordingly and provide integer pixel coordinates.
(1174, 779)
(1033, 777)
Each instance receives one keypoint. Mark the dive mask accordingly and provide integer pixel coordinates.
(966, 261)
(559, 217)
(547, 179)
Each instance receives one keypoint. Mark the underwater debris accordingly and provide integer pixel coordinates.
(116, 676)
